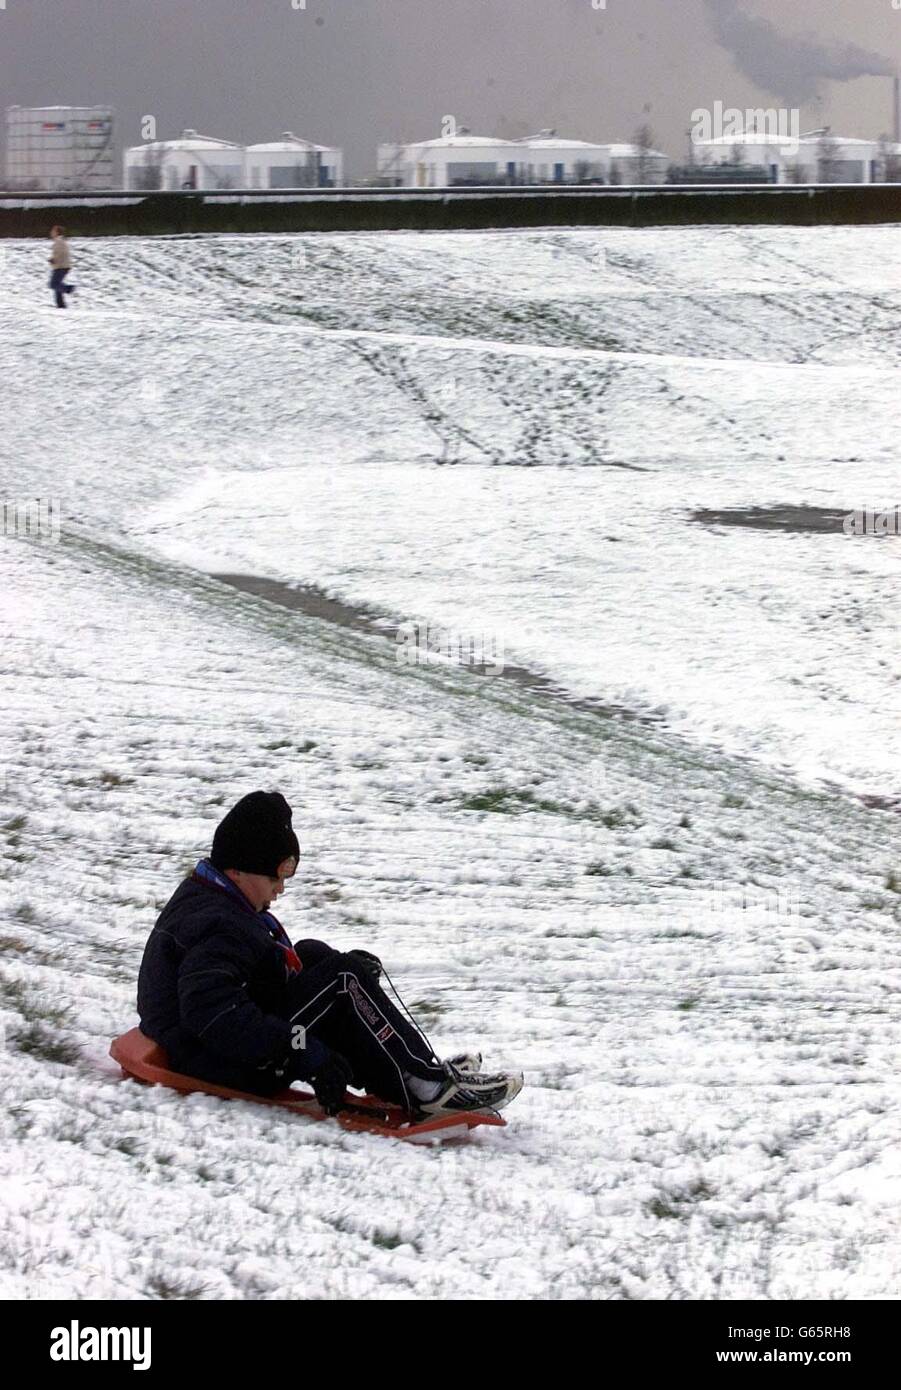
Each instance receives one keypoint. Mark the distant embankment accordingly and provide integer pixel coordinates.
(160, 214)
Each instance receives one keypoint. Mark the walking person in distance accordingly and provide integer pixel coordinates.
(60, 265)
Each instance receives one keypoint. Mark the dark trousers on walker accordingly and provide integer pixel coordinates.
(59, 287)
(339, 1001)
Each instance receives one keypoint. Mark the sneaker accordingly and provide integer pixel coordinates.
(473, 1091)
(466, 1061)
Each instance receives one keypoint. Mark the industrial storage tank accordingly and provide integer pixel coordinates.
(191, 162)
(632, 164)
(449, 160)
(294, 163)
(815, 156)
(461, 159)
(548, 158)
(59, 148)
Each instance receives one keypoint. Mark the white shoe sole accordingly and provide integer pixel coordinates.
(488, 1101)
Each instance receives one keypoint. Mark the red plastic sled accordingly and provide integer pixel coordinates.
(144, 1060)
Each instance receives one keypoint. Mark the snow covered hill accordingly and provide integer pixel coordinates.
(278, 406)
(682, 927)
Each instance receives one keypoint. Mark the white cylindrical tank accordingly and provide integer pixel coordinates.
(631, 164)
(449, 161)
(812, 157)
(549, 159)
(777, 153)
(829, 158)
(62, 148)
(293, 163)
(457, 160)
(191, 162)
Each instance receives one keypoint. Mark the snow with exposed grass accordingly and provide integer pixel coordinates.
(684, 928)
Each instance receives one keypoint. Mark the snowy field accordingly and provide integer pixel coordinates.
(684, 928)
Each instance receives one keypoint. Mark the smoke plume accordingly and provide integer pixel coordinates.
(789, 66)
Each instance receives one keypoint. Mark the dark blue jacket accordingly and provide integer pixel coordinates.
(212, 990)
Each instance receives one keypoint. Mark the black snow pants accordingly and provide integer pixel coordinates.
(339, 1001)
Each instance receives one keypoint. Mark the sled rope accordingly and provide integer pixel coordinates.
(415, 1023)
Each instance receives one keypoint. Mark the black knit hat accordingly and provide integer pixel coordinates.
(256, 835)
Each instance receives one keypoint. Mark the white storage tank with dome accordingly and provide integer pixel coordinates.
(191, 162)
(292, 162)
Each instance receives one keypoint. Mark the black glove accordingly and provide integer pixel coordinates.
(331, 1081)
(368, 961)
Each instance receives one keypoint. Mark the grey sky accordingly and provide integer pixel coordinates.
(355, 72)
